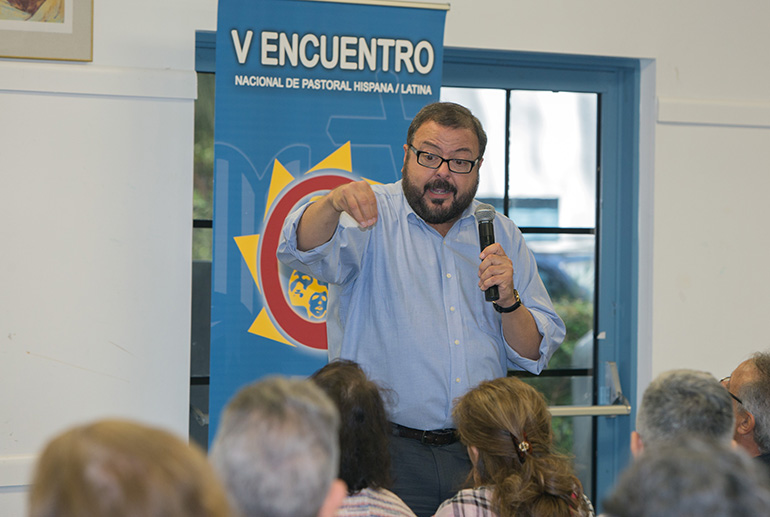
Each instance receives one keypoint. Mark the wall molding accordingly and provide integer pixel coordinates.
(713, 113)
(16, 470)
(87, 79)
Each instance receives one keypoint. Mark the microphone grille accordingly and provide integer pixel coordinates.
(484, 212)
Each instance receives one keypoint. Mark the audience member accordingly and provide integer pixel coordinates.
(693, 477)
(118, 468)
(506, 426)
(364, 435)
(679, 404)
(277, 450)
(749, 386)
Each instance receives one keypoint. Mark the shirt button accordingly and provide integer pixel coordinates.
(452, 309)
(457, 379)
(457, 341)
(449, 275)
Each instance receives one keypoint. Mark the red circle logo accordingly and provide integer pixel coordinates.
(309, 333)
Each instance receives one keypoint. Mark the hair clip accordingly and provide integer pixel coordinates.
(522, 447)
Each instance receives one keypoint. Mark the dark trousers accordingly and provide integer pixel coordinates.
(424, 476)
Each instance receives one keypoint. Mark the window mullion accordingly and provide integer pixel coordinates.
(506, 201)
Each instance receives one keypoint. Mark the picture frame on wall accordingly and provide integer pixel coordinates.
(46, 29)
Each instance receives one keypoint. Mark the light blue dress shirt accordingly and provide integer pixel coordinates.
(404, 303)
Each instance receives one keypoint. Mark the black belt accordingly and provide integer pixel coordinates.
(435, 437)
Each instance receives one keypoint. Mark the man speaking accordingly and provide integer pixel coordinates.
(407, 293)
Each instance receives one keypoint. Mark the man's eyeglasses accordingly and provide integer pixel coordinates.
(434, 161)
(726, 383)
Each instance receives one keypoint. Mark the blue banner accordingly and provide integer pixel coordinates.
(309, 95)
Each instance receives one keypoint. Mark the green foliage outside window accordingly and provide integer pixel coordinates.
(203, 163)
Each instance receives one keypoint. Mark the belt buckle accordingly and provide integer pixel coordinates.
(424, 438)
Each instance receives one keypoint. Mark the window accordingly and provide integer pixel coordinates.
(203, 185)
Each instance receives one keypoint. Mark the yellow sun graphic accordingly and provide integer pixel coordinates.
(249, 244)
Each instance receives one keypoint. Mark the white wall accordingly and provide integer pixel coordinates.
(95, 267)
(96, 184)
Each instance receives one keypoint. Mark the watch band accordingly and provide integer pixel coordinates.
(512, 308)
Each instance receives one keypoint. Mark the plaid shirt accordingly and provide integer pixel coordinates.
(371, 502)
(477, 502)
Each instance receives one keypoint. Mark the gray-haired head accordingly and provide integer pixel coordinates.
(691, 478)
(755, 398)
(682, 403)
(277, 448)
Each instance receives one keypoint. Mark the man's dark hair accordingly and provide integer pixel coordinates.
(755, 395)
(690, 478)
(448, 114)
(365, 429)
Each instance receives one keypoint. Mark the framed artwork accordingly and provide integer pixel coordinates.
(47, 29)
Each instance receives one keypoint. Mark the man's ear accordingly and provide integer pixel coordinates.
(637, 447)
(334, 498)
(744, 423)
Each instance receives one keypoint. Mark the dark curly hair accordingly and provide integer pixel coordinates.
(448, 114)
(364, 430)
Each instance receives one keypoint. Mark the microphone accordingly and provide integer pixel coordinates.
(485, 214)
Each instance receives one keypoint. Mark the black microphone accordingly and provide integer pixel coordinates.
(485, 215)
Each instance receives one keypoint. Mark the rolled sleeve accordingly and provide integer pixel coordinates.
(553, 331)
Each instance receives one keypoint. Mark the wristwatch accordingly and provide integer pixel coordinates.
(513, 307)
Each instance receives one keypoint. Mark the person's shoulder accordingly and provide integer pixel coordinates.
(469, 502)
(590, 512)
(507, 233)
(388, 190)
(397, 505)
(390, 199)
(499, 216)
(370, 502)
(506, 222)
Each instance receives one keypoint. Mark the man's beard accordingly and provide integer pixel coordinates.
(434, 213)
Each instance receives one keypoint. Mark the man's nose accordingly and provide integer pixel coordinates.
(443, 169)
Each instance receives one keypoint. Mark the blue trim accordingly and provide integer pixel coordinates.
(205, 51)
(531, 70)
(619, 267)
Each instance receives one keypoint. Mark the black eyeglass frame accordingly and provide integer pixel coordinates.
(727, 380)
(448, 161)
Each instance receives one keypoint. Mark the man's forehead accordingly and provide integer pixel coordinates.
(432, 132)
